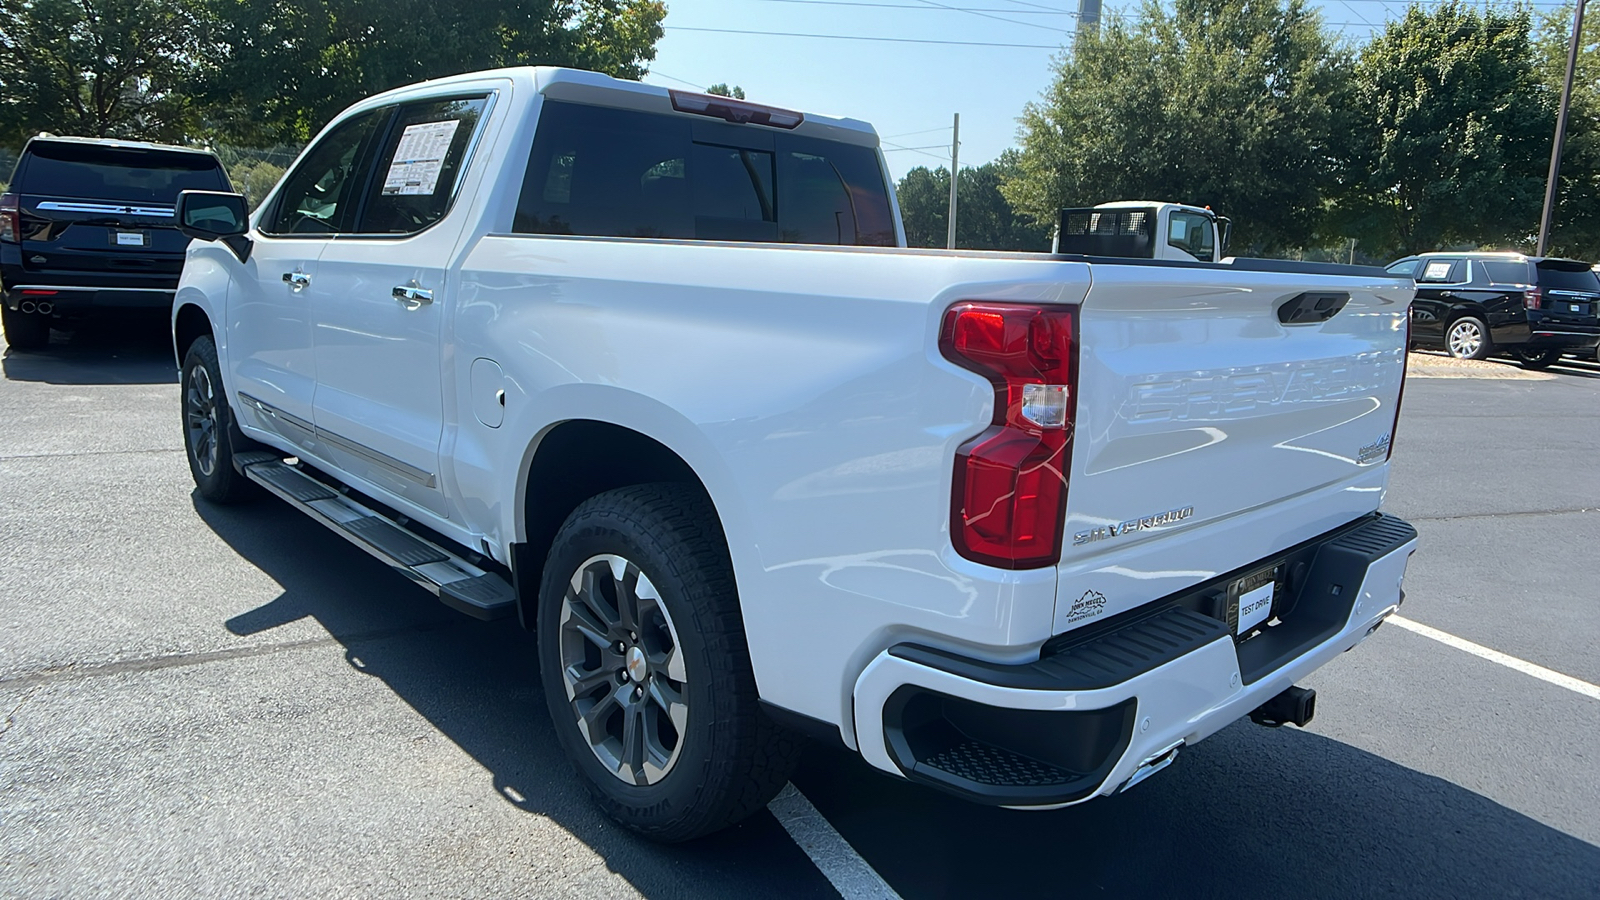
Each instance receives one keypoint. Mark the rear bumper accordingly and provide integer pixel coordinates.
(1098, 706)
(1543, 333)
(1562, 339)
(73, 299)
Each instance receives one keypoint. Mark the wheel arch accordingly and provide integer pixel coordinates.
(572, 461)
(189, 324)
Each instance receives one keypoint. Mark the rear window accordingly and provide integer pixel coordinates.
(1505, 271)
(620, 173)
(90, 171)
(1563, 278)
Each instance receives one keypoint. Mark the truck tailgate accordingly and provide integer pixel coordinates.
(1197, 404)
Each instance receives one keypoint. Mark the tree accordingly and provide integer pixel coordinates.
(984, 219)
(1240, 105)
(285, 68)
(722, 90)
(1457, 141)
(100, 68)
(1575, 230)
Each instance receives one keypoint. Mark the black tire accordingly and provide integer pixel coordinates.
(1537, 359)
(207, 423)
(25, 331)
(1466, 346)
(729, 759)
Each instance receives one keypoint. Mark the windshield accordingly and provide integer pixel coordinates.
(95, 172)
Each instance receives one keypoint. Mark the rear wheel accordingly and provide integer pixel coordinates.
(1537, 359)
(25, 331)
(645, 669)
(1468, 338)
(206, 422)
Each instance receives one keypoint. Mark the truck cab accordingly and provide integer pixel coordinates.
(1143, 229)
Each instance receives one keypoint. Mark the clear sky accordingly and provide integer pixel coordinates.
(906, 89)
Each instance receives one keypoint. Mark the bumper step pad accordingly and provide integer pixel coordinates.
(457, 582)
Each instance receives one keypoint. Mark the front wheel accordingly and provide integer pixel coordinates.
(1468, 338)
(1537, 359)
(645, 668)
(206, 422)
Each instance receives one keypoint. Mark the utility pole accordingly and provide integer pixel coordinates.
(1548, 216)
(955, 173)
(1088, 15)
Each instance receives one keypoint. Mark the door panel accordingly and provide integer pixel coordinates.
(269, 338)
(379, 306)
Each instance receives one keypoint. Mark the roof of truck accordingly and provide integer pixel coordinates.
(593, 87)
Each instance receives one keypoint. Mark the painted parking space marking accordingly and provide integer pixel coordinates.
(1576, 685)
(834, 857)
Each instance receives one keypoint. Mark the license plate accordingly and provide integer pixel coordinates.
(1576, 307)
(1250, 600)
(131, 239)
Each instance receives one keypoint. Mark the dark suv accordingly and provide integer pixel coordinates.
(1473, 305)
(86, 228)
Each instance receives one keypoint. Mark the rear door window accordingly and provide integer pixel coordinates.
(1406, 267)
(1443, 271)
(621, 173)
(1505, 271)
(100, 172)
(1569, 278)
(420, 165)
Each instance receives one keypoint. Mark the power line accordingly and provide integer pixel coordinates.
(857, 37)
(934, 5)
(1041, 11)
(924, 131)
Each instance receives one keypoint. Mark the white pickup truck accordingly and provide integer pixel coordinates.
(653, 372)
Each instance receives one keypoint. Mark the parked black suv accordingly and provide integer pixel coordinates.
(86, 228)
(1473, 305)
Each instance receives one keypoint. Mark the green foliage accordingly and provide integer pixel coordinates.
(722, 90)
(984, 219)
(1575, 231)
(287, 67)
(1455, 144)
(1235, 104)
(266, 71)
(255, 172)
(107, 68)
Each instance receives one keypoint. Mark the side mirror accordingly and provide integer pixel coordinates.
(215, 216)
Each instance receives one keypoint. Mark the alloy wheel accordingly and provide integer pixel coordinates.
(200, 418)
(1466, 339)
(623, 669)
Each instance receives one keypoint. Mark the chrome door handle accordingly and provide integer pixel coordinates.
(412, 296)
(296, 280)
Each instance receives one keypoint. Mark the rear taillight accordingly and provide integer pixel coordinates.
(1010, 491)
(1405, 363)
(10, 219)
(1533, 299)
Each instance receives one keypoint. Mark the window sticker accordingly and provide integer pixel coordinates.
(1436, 271)
(419, 158)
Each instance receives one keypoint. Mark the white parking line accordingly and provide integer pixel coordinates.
(1576, 685)
(834, 857)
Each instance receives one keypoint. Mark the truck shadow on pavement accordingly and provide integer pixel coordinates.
(125, 350)
(477, 683)
(1248, 813)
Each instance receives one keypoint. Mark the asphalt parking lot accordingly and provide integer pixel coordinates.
(207, 702)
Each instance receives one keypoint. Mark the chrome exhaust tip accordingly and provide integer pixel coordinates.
(45, 307)
(27, 306)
